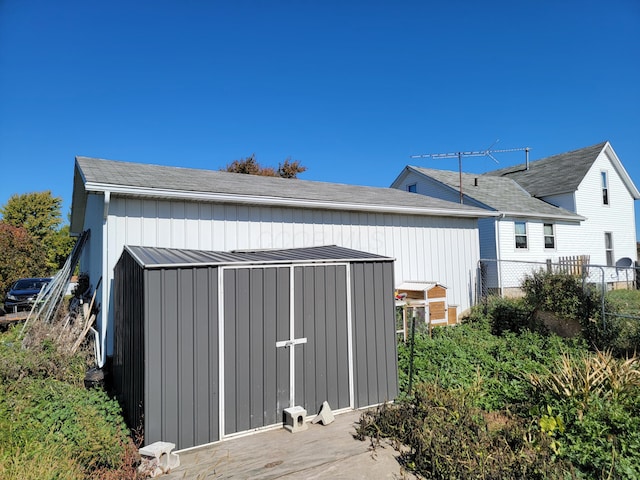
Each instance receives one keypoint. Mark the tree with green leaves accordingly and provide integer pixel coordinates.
(39, 214)
(21, 255)
(250, 166)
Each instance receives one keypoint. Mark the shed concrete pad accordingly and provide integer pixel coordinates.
(320, 452)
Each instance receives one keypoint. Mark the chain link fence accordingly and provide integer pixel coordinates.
(503, 278)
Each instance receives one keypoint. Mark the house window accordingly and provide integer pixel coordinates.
(412, 188)
(521, 234)
(605, 188)
(549, 236)
(608, 248)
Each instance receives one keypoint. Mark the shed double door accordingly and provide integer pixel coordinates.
(285, 342)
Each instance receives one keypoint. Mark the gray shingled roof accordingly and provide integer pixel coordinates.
(498, 193)
(144, 179)
(154, 257)
(553, 175)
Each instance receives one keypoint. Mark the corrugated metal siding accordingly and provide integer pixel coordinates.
(373, 317)
(181, 356)
(128, 356)
(256, 373)
(322, 364)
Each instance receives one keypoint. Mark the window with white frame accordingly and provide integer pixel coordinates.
(605, 188)
(412, 188)
(521, 234)
(608, 248)
(549, 236)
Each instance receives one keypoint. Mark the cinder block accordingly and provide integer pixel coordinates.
(294, 419)
(159, 457)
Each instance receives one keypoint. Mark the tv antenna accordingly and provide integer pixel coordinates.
(488, 152)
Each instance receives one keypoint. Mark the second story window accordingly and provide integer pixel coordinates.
(549, 236)
(412, 188)
(605, 188)
(521, 234)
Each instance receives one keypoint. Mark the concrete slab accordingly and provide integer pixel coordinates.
(320, 452)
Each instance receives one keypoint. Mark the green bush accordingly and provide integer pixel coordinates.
(563, 294)
(509, 314)
(597, 399)
(86, 422)
(469, 356)
(568, 297)
(50, 425)
(579, 411)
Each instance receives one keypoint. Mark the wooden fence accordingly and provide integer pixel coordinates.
(573, 265)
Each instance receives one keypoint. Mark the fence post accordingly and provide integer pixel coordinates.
(413, 335)
(549, 265)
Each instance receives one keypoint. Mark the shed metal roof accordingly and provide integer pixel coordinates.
(154, 257)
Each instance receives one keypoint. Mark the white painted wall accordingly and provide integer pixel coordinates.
(618, 217)
(567, 243)
(444, 250)
(431, 188)
(565, 200)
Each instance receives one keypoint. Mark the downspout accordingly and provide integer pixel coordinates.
(104, 310)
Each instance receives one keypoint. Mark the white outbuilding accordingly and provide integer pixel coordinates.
(134, 204)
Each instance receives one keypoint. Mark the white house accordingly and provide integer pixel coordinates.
(158, 206)
(573, 204)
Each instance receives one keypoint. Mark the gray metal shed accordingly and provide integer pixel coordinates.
(212, 344)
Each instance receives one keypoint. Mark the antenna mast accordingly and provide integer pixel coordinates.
(479, 153)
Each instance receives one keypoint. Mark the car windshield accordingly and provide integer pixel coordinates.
(30, 284)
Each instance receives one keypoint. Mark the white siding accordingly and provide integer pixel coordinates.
(565, 200)
(426, 186)
(487, 232)
(567, 243)
(618, 217)
(444, 250)
(91, 259)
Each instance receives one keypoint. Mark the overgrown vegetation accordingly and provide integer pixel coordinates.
(501, 396)
(51, 426)
(448, 437)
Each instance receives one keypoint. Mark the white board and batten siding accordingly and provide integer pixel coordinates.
(426, 248)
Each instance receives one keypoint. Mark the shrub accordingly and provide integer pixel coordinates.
(87, 422)
(570, 298)
(596, 397)
(42, 359)
(449, 438)
(562, 294)
(496, 368)
(50, 425)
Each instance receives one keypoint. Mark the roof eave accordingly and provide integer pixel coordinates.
(281, 202)
(79, 201)
(544, 216)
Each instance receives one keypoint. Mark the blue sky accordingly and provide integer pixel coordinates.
(349, 88)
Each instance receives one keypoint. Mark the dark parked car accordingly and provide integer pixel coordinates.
(23, 293)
